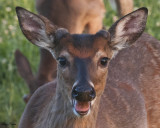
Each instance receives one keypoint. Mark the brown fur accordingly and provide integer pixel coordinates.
(135, 69)
(127, 96)
(123, 101)
(127, 88)
(72, 14)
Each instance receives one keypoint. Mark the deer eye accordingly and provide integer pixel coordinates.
(104, 61)
(62, 61)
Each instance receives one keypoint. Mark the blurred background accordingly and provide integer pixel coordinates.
(12, 86)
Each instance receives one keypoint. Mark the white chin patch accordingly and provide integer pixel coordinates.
(81, 108)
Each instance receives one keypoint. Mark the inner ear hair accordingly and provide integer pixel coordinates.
(128, 29)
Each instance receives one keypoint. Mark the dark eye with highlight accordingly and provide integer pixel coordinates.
(104, 61)
(62, 61)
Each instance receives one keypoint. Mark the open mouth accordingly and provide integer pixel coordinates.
(81, 108)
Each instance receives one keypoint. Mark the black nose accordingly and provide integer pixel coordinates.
(83, 93)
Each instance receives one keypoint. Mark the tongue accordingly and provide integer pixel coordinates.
(82, 106)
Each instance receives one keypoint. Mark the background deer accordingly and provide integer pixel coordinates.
(81, 97)
(76, 16)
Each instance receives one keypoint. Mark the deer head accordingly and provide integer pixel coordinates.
(82, 58)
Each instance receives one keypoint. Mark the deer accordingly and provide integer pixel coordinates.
(74, 15)
(66, 14)
(108, 79)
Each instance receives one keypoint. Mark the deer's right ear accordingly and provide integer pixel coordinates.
(38, 29)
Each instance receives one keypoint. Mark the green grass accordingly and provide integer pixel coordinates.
(12, 87)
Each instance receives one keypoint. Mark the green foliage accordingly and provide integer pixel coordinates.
(12, 87)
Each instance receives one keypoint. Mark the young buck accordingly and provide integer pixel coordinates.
(74, 15)
(83, 96)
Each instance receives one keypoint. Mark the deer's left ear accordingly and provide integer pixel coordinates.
(128, 29)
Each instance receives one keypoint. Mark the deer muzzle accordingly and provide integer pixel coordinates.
(82, 96)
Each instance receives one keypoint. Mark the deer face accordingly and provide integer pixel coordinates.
(82, 67)
(82, 59)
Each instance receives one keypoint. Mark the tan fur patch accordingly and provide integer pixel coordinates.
(80, 53)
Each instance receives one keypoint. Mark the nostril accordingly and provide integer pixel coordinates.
(74, 93)
(92, 94)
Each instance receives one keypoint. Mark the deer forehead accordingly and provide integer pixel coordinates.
(70, 55)
(85, 46)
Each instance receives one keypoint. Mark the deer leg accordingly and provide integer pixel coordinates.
(124, 7)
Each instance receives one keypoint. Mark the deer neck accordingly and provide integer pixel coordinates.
(61, 114)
